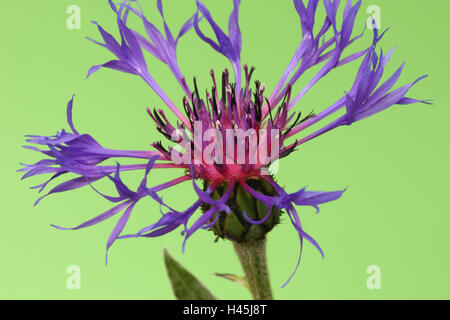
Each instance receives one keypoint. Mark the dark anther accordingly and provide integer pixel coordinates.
(293, 125)
(197, 95)
(214, 105)
(186, 109)
(158, 118)
(257, 85)
(160, 147)
(165, 134)
(258, 114)
(195, 106)
(256, 94)
(224, 87)
(288, 151)
(309, 116)
(250, 74)
(270, 110)
(233, 95)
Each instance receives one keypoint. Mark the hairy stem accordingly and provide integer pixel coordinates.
(252, 255)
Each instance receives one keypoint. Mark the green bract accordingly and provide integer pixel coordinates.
(235, 226)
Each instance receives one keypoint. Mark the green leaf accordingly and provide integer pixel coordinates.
(184, 284)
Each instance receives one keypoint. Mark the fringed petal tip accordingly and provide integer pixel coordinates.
(228, 45)
(60, 228)
(314, 198)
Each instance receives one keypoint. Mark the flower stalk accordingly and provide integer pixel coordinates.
(252, 255)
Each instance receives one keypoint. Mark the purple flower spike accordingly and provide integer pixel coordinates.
(75, 153)
(307, 15)
(161, 47)
(130, 58)
(230, 46)
(314, 198)
(128, 200)
(173, 219)
(238, 199)
(129, 53)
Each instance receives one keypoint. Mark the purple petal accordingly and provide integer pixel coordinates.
(106, 215)
(234, 31)
(69, 115)
(258, 222)
(314, 198)
(119, 227)
(224, 45)
(69, 185)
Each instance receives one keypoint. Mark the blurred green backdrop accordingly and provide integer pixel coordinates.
(395, 213)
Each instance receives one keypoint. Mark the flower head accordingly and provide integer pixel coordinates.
(229, 137)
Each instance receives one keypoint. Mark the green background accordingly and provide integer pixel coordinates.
(395, 213)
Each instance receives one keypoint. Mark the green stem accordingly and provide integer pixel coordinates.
(252, 255)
